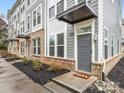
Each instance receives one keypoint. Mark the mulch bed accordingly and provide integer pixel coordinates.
(41, 77)
(117, 74)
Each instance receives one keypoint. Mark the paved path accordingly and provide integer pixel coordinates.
(14, 81)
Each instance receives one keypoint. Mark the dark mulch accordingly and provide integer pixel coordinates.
(117, 74)
(41, 77)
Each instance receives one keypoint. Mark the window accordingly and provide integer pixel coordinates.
(60, 7)
(28, 22)
(34, 18)
(39, 15)
(106, 44)
(22, 47)
(36, 46)
(28, 2)
(60, 45)
(118, 44)
(23, 7)
(52, 12)
(23, 26)
(106, 51)
(21, 10)
(80, 1)
(112, 48)
(52, 45)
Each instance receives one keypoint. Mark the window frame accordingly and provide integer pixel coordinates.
(52, 46)
(34, 25)
(50, 17)
(60, 45)
(39, 15)
(22, 50)
(57, 6)
(36, 47)
(28, 22)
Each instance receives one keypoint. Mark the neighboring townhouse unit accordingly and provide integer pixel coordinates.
(26, 28)
(84, 35)
(122, 35)
(81, 35)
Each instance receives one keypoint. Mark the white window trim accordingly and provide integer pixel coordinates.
(29, 15)
(54, 13)
(55, 45)
(87, 23)
(36, 16)
(36, 47)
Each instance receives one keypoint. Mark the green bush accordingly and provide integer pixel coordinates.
(3, 47)
(25, 61)
(37, 65)
(54, 68)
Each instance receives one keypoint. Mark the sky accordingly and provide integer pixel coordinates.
(6, 4)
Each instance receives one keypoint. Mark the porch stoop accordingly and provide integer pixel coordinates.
(68, 83)
(57, 88)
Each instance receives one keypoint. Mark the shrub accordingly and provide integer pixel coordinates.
(25, 61)
(37, 65)
(54, 68)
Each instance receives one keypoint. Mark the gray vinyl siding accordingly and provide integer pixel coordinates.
(70, 41)
(94, 5)
(70, 3)
(70, 34)
(111, 17)
(70, 30)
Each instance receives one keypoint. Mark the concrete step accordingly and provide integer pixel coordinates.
(57, 88)
(74, 83)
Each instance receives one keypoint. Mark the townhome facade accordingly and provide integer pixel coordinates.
(81, 35)
(84, 33)
(28, 40)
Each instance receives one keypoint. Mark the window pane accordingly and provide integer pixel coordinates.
(106, 51)
(38, 50)
(51, 51)
(38, 41)
(34, 42)
(60, 38)
(34, 50)
(39, 15)
(60, 7)
(39, 20)
(52, 12)
(60, 51)
(28, 22)
(52, 40)
(34, 18)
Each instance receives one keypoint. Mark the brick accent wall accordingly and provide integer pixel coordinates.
(97, 70)
(64, 63)
(34, 35)
(111, 63)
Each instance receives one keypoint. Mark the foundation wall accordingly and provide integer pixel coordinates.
(64, 63)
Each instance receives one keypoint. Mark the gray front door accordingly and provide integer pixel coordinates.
(84, 52)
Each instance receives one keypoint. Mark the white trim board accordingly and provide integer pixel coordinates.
(84, 24)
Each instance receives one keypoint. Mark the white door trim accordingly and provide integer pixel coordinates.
(90, 22)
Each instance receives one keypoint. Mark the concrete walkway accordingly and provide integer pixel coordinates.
(14, 81)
